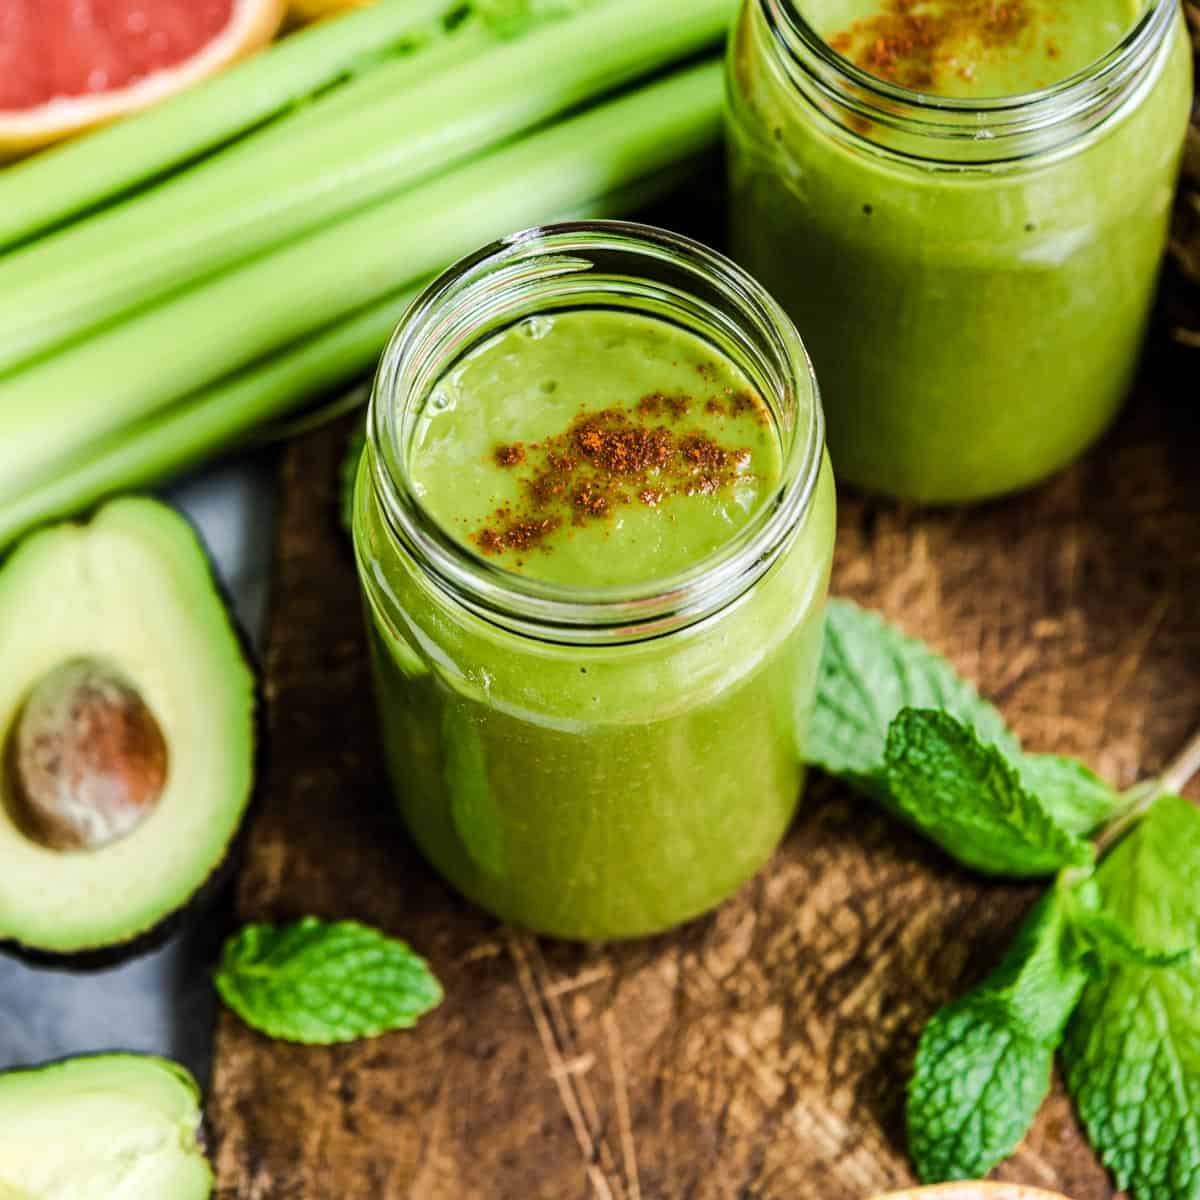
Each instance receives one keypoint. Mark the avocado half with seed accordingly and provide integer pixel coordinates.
(127, 730)
(117, 1126)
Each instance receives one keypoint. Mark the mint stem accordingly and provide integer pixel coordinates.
(1171, 781)
(1183, 766)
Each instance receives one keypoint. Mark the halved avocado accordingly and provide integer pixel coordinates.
(117, 1126)
(127, 730)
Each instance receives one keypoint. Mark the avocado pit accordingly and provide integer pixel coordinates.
(86, 761)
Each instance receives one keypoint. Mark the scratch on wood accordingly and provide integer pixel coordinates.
(1035, 1163)
(1136, 654)
(565, 1033)
(558, 1071)
(483, 950)
(584, 979)
(580, 1065)
(616, 1055)
(769, 1086)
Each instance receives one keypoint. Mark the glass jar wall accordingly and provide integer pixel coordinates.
(971, 276)
(584, 759)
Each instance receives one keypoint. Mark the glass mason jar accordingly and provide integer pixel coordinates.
(972, 277)
(595, 763)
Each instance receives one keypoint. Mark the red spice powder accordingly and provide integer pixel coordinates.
(510, 456)
(658, 404)
(519, 535)
(610, 458)
(910, 41)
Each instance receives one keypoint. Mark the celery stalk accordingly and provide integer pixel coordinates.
(380, 82)
(49, 188)
(208, 422)
(85, 249)
(260, 196)
(219, 417)
(132, 370)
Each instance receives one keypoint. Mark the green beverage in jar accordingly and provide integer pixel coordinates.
(594, 528)
(963, 204)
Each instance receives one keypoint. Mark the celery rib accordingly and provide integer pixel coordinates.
(218, 418)
(62, 408)
(208, 422)
(257, 197)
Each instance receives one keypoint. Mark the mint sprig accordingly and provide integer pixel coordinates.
(870, 673)
(1132, 1051)
(966, 797)
(1106, 955)
(1079, 800)
(319, 983)
(983, 1063)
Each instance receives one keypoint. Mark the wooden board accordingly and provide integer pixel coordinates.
(760, 1052)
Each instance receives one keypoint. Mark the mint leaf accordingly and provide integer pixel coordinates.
(963, 795)
(1078, 799)
(347, 475)
(1114, 943)
(983, 1062)
(320, 983)
(1132, 1051)
(869, 672)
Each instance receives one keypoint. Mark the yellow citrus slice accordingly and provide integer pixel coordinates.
(304, 11)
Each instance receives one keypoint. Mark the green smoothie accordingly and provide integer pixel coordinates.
(595, 448)
(610, 790)
(971, 48)
(976, 323)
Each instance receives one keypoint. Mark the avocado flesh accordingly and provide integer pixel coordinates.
(132, 588)
(118, 1126)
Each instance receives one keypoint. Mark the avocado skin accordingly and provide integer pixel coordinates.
(206, 897)
(155, 1084)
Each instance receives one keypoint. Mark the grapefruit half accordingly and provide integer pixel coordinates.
(67, 65)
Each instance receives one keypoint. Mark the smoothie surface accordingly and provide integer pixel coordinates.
(594, 447)
(971, 48)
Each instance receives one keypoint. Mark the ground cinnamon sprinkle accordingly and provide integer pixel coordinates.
(520, 535)
(910, 41)
(623, 450)
(510, 456)
(609, 458)
(674, 406)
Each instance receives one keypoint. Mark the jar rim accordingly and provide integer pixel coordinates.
(467, 303)
(987, 129)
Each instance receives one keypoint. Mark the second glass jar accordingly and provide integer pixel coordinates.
(972, 277)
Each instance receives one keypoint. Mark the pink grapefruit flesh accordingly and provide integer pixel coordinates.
(66, 65)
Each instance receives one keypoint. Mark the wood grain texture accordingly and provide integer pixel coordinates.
(760, 1052)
